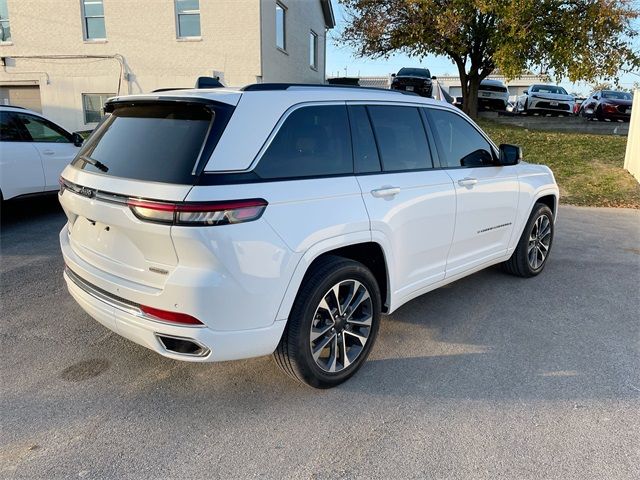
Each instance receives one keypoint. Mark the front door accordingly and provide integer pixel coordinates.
(486, 194)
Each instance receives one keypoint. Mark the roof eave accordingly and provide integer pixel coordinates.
(327, 11)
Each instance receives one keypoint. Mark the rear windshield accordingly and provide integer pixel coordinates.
(160, 142)
(414, 72)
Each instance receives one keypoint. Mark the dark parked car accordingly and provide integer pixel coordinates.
(607, 105)
(416, 80)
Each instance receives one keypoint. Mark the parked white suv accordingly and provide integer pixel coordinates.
(33, 152)
(223, 224)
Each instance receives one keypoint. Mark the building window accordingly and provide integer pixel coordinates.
(313, 50)
(93, 106)
(188, 18)
(93, 12)
(5, 31)
(281, 26)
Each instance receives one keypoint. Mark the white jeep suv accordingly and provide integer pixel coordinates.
(223, 224)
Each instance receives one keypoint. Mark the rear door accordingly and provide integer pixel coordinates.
(410, 203)
(147, 151)
(486, 194)
(53, 143)
(20, 165)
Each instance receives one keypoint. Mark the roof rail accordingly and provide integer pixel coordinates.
(263, 87)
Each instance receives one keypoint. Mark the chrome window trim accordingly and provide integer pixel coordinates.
(121, 304)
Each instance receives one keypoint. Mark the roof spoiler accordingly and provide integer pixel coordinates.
(202, 82)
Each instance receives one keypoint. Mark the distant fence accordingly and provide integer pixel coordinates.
(632, 157)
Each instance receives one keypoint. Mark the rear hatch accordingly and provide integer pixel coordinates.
(146, 152)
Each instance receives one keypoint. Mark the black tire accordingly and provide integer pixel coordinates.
(294, 353)
(520, 263)
(598, 114)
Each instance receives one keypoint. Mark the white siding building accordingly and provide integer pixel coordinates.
(64, 57)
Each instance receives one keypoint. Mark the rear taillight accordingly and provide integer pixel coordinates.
(171, 317)
(194, 214)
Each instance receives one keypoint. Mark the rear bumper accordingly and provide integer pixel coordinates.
(216, 345)
(493, 103)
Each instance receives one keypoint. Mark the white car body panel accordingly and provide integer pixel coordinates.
(241, 280)
(31, 167)
(55, 157)
(21, 170)
(486, 212)
(425, 205)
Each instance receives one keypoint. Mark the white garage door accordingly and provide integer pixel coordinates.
(21, 96)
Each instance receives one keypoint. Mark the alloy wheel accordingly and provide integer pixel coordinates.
(539, 242)
(341, 326)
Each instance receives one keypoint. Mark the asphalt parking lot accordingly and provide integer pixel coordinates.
(491, 377)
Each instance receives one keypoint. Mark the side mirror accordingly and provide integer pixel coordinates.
(526, 92)
(77, 139)
(434, 78)
(393, 75)
(510, 154)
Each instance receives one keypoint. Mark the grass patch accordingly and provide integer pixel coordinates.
(588, 168)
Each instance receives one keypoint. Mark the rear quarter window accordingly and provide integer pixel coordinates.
(312, 141)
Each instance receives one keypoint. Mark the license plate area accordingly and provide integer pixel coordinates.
(553, 104)
(409, 89)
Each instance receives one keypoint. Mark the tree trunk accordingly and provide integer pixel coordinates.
(470, 96)
(470, 83)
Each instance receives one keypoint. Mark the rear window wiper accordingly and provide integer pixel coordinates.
(96, 163)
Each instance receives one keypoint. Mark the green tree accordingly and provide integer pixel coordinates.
(578, 39)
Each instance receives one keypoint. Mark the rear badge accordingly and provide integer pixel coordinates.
(86, 192)
(161, 271)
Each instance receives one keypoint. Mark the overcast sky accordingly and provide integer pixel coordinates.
(340, 60)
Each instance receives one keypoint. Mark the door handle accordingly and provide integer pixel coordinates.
(385, 192)
(48, 152)
(467, 181)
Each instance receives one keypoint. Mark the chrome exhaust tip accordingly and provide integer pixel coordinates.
(187, 347)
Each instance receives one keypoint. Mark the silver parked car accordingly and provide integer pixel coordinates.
(543, 98)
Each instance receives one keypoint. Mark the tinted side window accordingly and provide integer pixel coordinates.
(402, 141)
(312, 141)
(42, 130)
(459, 143)
(365, 152)
(10, 130)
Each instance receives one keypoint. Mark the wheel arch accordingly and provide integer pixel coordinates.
(550, 200)
(360, 248)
